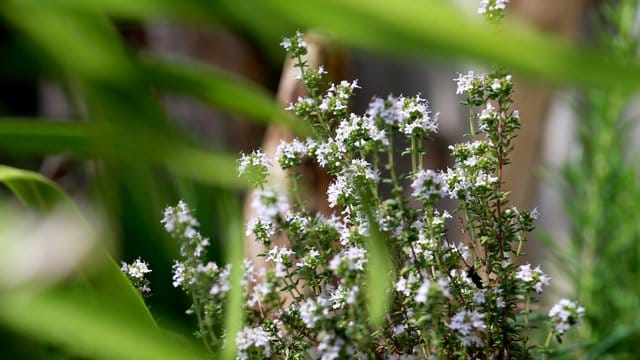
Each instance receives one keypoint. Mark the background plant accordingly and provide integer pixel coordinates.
(600, 192)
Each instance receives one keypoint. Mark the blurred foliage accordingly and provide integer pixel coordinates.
(601, 193)
(141, 161)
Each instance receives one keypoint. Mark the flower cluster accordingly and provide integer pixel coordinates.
(564, 315)
(453, 296)
(136, 272)
(204, 281)
(493, 9)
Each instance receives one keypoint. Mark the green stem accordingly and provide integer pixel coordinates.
(545, 350)
(203, 325)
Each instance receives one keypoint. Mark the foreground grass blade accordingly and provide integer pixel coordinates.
(404, 27)
(379, 267)
(88, 329)
(109, 286)
(32, 189)
(435, 28)
(221, 90)
(90, 140)
(234, 316)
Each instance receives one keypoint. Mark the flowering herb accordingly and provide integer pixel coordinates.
(451, 298)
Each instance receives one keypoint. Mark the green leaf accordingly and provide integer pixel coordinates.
(32, 189)
(88, 329)
(221, 90)
(437, 28)
(379, 267)
(99, 141)
(109, 286)
(234, 315)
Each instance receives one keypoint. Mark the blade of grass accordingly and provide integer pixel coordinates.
(109, 286)
(90, 140)
(221, 90)
(429, 28)
(85, 328)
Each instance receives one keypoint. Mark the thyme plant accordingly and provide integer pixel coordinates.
(452, 298)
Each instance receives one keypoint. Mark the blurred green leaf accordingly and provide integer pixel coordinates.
(32, 189)
(109, 286)
(43, 136)
(91, 140)
(403, 27)
(87, 328)
(221, 90)
(234, 315)
(437, 28)
(379, 267)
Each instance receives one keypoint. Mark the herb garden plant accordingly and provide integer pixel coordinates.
(450, 297)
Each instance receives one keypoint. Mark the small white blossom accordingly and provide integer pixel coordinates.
(427, 185)
(423, 291)
(466, 83)
(262, 229)
(329, 346)
(221, 285)
(355, 258)
(488, 6)
(255, 337)
(178, 274)
(289, 154)
(179, 216)
(467, 324)
(269, 204)
(565, 314)
(256, 159)
(280, 257)
(136, 270)
(533, 277)
(309, 313)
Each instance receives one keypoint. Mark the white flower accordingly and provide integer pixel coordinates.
(290, 154)
(533, 277)
(479, 296)
(178, 274)
(178, 216)
(329, 346)
(309, 313)
(339, 189)
(326, 153)
(419, 117)
(260, 228)
(310, 260)
(487, 6)
(467, 323)
(136, 270)
(565, 314)
(221, 285)
(443, 285)
(257, 159)
(423, 291)
(286, 43)
(269, 204)
(280, 257)
(255, 337)
(466, 83)
(427, 185)
(354, 256)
